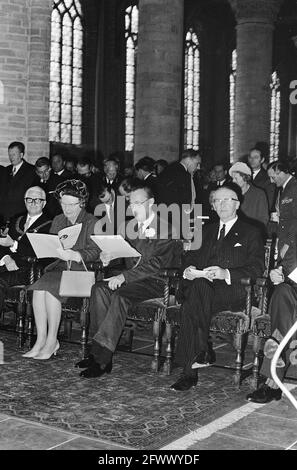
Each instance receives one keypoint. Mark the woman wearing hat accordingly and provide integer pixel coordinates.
(255, 204)
(72, 195)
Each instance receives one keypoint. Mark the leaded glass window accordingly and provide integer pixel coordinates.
(274, 116)
(65, 106)
(131, 35)
(232, 80)
(191, 91)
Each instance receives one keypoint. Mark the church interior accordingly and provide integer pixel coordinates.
(126, 79)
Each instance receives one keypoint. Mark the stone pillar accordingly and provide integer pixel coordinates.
(159, 79)
(255, 24)
(24, 75)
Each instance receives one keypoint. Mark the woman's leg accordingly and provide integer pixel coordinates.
(40, 315)
(53, 309)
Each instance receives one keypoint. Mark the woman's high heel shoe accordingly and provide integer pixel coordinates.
(43, 356)
(31, 354)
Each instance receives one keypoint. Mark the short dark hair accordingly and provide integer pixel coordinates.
(17, 144)
(146, 164)
(42, 161)
(127, 183)
(140, 184)
(279, 165)
(82, 161)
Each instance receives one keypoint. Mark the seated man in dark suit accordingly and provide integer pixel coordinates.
(283, 314)
(15, 248)
(231, 249)
(111, 299)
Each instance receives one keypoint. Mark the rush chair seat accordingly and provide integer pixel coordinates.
(18, 297)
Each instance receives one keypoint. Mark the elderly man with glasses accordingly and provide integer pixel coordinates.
(15, 248)
(231, 249)
(111, 298)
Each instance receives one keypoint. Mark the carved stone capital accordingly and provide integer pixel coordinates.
(258, 10)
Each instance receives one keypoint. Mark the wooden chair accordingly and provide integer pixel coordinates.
(261, 325)
(17, 296)
(74, 309)
(162, 312)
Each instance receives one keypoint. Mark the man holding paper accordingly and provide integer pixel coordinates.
(231, 249)
(141, 280)
(15, 248)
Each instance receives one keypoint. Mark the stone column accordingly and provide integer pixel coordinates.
(159, 79)
(24, 75)
(255, 24)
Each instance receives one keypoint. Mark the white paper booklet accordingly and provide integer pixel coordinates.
(115, 245)
(197, 273)
(293, 275)
(47, 245)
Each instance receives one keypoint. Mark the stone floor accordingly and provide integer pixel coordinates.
(237, 425)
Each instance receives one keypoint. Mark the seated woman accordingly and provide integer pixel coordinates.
(73, 196)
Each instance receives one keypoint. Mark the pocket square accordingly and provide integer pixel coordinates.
(237, 244)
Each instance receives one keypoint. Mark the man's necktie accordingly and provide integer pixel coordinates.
(14, 170)
(27, 224)
(222, 233)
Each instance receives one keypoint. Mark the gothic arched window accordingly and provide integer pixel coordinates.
(232, 80)
(191, 91)
(274, 116)
(131, 35)
(65, 104)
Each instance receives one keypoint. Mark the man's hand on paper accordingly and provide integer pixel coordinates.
(10, 263)
(7, 241)
(69, 255)
(276, 275)
(105, 258)
(115, 281)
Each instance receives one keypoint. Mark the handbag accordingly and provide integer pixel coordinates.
(76, 283)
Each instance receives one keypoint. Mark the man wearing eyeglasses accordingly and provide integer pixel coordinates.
(141, 280)
(231, 249)
(15, 248)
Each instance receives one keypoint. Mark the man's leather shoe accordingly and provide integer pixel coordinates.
(264, 394)
(96, 370)
(185, 382)
(84, 363)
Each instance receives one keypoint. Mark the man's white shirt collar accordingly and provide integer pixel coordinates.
(147, 222)
(16, 168)
(228, 225)
(255, 173)
(286, 182)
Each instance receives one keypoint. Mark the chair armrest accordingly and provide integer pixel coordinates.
(246, 281)
(94, 265)
(170, 272)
